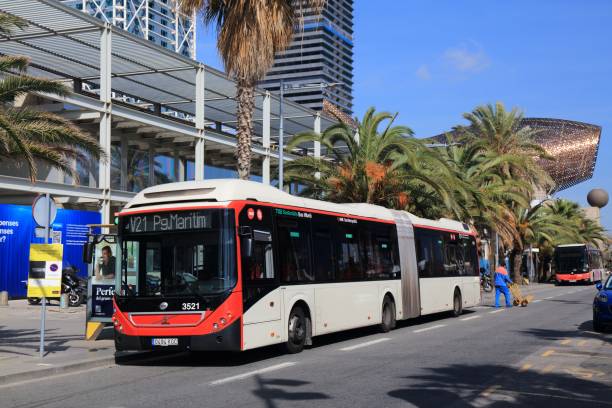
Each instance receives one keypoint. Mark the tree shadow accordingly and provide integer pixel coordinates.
(583, 330)
(495, 386)
(20, 341)
(274, 390)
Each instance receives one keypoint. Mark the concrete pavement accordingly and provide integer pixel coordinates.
(542, 355)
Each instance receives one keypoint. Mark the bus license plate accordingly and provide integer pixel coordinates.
(165, 342)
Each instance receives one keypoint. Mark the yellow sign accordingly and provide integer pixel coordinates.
(45, 275)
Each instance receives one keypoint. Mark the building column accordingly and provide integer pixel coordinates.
(125, 151)
(179, 167)
(265, 167)
(151, 156)
(199, 122)
(104, 176)
(317, 144)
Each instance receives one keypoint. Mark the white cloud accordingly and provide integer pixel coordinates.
(423, 73)
(467, 58)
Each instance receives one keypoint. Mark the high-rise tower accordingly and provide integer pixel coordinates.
(156, 20)
(320, 54)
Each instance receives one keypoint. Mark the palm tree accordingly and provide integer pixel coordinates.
(250, 32)
(28, 135)
(503, 134)
(386, 167)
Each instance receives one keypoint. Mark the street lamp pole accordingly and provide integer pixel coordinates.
(281, 147)
(281, 123)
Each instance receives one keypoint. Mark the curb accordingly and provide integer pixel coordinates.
(108, 361)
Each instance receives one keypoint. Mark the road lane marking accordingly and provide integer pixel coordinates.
(582, 343)
(548, 353)
(437, 326)
(550, 297)
(490, 390)
(565, 341)
(367, 343)
(526, 367)
(496, 311)
(470, 318)
(254, 372)
(537, 300)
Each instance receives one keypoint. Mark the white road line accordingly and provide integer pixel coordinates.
(252, 373)
(437, 326)
(496, 311)
(537, 300)
(470, 318)
(550, 297)
(366, 344)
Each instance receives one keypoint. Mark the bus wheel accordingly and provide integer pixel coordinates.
(457, 303)
(296, 337)
(388, 315)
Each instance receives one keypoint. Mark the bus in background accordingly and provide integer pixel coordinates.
(235, 265)
(578, 263)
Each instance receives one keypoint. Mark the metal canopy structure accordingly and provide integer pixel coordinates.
(130, 91)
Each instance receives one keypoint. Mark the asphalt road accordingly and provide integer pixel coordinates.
(543, 355)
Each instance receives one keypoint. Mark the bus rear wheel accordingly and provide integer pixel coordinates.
(388, 316)
(296, 331)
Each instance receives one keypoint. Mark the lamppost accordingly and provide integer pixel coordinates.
(281, 142)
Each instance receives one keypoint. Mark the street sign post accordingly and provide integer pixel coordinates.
(44, 211)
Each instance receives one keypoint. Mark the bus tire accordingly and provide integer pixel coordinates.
(457, 303)
(296, 331)
(388, 315)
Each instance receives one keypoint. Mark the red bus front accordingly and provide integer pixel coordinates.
(179, 280)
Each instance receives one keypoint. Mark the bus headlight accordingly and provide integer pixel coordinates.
(215, 326)
(223, 321)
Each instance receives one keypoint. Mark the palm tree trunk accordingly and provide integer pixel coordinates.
(517, 260)
(245, 97)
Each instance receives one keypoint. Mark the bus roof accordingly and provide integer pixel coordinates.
(226, 190)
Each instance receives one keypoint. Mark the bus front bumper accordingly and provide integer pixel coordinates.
(227, 339)
(576, 277)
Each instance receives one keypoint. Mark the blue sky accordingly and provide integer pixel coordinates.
(433, 60)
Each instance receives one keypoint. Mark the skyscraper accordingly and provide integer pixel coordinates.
(320, 54)
(156, 20)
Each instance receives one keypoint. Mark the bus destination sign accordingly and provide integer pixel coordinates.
(166, 222)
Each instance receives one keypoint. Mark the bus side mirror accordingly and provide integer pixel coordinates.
(246, 241)
(598, 286)
(88, 251)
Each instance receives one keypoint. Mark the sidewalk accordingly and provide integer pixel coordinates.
(65, 347)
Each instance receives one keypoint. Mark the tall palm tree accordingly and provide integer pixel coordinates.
(250, 32)
(503, 134)
(31, 136)
(384, 166)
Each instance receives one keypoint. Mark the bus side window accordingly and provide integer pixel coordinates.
(261, 263)
(294, 249)
(423, 253)
(323, 251)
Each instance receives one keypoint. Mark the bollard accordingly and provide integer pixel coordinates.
(4, 298)
(64, 301)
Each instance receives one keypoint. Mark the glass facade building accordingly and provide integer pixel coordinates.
(321, 53)
(158, 21)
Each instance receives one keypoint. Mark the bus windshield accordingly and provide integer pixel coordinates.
(178, 253)
(570, 259)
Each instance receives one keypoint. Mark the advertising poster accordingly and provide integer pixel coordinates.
(45, 274)
(103, 279)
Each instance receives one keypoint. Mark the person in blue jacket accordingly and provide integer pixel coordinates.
(501, 281)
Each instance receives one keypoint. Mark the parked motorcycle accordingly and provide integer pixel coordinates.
(74, 286)
(485, 281)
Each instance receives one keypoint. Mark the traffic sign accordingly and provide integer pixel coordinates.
(44, 210)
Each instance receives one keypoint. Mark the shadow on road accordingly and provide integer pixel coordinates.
(274, 390)
(27, 341)
(171, 358)
(500, 386)
(583, 330)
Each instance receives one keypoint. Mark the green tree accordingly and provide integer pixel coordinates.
(31, 136)
(377, 163)
(250, 33)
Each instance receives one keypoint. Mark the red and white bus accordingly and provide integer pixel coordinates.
(235, 265)
(578, 263)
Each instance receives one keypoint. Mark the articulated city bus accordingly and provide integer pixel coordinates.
(235, 265)
(578, 263)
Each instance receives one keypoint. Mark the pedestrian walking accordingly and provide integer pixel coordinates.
(501, 285)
